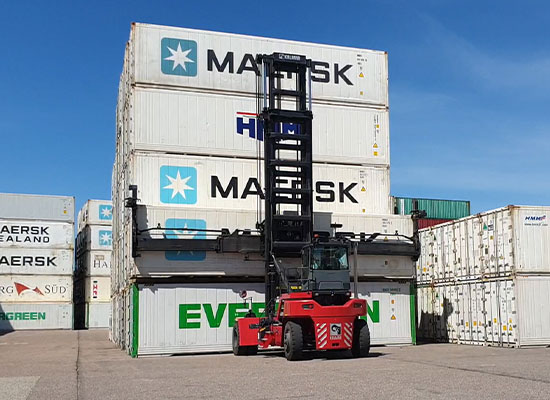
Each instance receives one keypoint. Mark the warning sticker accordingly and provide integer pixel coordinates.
(335, 331)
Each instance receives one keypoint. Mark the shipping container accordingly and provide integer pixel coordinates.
(20, 316)
(427, 222)
(24, 261)
(495, 243)
(95, 212)
(435, 208)
(225, 125)
(511, 312)
(35, 288)
(192, 318)
(94, 238)
(234, 184)
(29, 234)
(97, 289)
(160, 56)
(94, 263)
(36, 207)
(98, 315)
(185, 223)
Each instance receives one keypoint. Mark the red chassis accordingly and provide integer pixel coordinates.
(320, 327)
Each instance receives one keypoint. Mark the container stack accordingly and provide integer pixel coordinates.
(189, 137)
(485, 279)
(437, 211)
(36, 261)
(92, 277)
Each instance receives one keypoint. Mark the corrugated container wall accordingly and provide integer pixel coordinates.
(435, 208)
(485, 279)
(36, 261)
(200, 317)
(92, 278)
(224, 63)
(188, 136)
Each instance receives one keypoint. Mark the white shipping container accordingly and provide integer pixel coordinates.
(94, 263)
(98, 315)
(97, 289)
(233, 184)
(192, 318)
(24, 261)
(185, 223)
(225, 125)
(213, 61)
(500, 242)
(35, 288)
(510, 312)
(95, 212)
(22, 316)
(36, 234)
(36, 207)
(94, 237)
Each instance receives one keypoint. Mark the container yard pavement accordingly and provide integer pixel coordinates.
(85, 365)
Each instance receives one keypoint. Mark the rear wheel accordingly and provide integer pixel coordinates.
(294, 341)
(239, 350)
(361, 338)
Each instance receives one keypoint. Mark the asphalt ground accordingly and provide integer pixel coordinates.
(85, 365)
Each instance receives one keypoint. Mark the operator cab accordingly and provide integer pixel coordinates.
(324, 270)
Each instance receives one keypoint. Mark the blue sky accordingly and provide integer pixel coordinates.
(469, 87)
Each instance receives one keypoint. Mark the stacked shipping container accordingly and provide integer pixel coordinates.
(437, 211)
(188, 136)
(485, 279)
(36, 261)
(92, 278)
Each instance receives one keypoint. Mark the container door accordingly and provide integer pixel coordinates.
(507, 312)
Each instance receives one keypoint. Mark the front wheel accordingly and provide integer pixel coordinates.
(239, 350)
(361, 339)
(294, 341)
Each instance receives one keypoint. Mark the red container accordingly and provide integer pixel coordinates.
(427, 222)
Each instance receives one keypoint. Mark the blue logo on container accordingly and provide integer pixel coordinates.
(106, 212)
(178, 185)
(105, 238)
(185, 229)
(178, 57)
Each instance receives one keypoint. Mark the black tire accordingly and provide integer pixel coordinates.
(241, 350)
(361, 339)
(293, 341)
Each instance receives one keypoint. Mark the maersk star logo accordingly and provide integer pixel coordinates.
(185, 229)
(105, 238)
(178, 57)
(178, 185)
(106, 212)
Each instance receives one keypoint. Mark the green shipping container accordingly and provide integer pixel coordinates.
(440, 209)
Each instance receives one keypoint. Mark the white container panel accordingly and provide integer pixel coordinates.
(97, 289)
(493, 244)
(22, 316)
(532, 236)
(508, 312)
(98, 315)
(36, 261)
(233, 184)
(93, 238)
(36, 234)
(35, 288)
(533, 319)
(225, 125)
(95, 212)
(191, 318)
(95, 263)
(36, 207)
(347, 75)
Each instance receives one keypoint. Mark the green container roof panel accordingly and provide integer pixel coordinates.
(435, 208)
